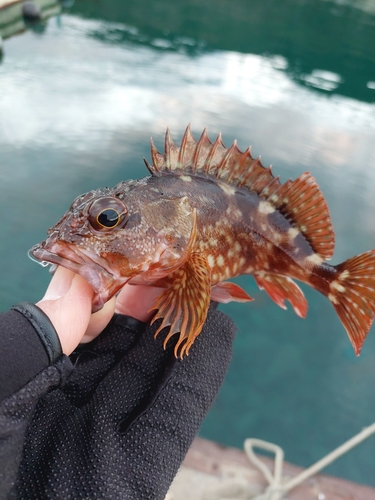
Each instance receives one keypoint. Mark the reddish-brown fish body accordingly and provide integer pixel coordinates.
(205, 215)
(233, 234)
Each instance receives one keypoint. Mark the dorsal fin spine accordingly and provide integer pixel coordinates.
(246, 175)
(167, 150)
(222, 167)
(155, 155)
(188, 148)
(211, 154)
(271, 188)
(198, 148)
(240, 167)
(251, 174)
(184, 141)
(150, 168)
(258, 184)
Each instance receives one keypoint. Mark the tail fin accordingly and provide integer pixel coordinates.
(353, 296)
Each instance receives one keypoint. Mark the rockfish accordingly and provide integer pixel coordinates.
(204, 215)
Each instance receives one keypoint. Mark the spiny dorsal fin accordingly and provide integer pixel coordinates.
(300, 201)
(231, 165)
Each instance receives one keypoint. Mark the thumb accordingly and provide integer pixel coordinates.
(68, 303)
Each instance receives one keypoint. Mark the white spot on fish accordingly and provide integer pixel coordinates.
(345, 274)
(185, 178)
(227, 188)
(314, 259)
(220, 260)
(332, 298)
(277, 237)
(293, 232)
(336, 286)
(265, 207)
(211, 261)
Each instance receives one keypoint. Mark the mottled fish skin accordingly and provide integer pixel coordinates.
(207, 214)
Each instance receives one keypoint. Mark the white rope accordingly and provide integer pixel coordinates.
(277, 487)
(232, 488)
(274, 480)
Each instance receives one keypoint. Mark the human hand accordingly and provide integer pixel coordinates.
(121, 412)
(125, 413)
(68, 302)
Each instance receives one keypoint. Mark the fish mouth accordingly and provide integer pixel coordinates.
(105, 282)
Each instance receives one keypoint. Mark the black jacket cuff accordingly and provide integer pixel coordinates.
(26, 347)
(44, 328)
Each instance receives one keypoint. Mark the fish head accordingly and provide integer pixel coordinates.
(112, 236)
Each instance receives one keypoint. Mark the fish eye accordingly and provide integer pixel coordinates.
(107, 213)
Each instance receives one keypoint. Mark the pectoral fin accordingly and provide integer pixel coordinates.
(281, 288)
(185, 303)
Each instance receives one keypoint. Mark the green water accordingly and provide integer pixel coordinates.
(80, 96)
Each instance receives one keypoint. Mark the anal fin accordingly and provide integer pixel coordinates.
(281, 288)
(184, 305)
(226, 291)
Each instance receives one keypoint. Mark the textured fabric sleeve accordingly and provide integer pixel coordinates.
(122, 423)
(22, 352)
(16, 412)
(24, 378)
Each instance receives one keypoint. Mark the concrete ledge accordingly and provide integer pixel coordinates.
(209, 468)
(6, 3)
(11, 18)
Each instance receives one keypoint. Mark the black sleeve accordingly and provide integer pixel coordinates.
(28, 343)
(119, 422)
(28, 346)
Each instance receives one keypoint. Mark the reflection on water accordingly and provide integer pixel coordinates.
(78, 103)
(335, 36)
